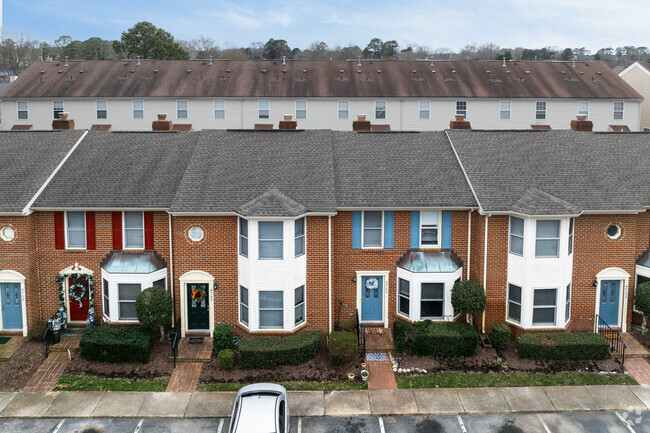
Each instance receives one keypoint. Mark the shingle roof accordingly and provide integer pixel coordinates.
(556, 172)
(320, 78)
(27, 159)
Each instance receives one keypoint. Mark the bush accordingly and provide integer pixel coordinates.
(226, 358)
(343, 347)
(37, 331)
(642, 298)
(400, 332)
(222, 338)
(153, 306)
(130, 343)
(500, 335)
(575, 345)
(468, 297)
(436, 339)
(270, 352)
(347, 326)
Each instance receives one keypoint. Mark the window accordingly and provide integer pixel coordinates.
(101, 109)
(126, 295)
(619, 110)
(219, 109)
(263, 109)
(571, 222)
(504, 110)
(243, 237)
(461, 109)
(544, 301)
(23, 110)
(270, 239)
(547, 242)
(423, 110)
(567, 304)
(75, 229)
(57, 109)
(7, 233)
(583, 109)
(514, 303)
(138, 109)
(299, 305)
(133, 230)
(196, 233)
(429, 228)
(301, 110)
(613, 231)
(161, 283)
(299, 242)
(516, 236)
(105, 299)
(372, 229)
(380, 109)
(271, 309)
(432, 300)
(404, 295)
(181, 109)
(243, 305)
(646, 129)
(540, 110)
(344, 109)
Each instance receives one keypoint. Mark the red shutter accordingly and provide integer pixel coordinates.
(59, 230)
(90, 231)
(117, 230)
(148, 230)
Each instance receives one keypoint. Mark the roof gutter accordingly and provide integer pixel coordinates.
(100, 209)
(347, 209)
(2, 214)
(471, 187)
(250, 216)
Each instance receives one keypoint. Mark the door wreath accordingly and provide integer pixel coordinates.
(372, 283)
(78, 289)
(198, 293)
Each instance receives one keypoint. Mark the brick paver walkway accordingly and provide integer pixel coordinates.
(49, 373)
(634, 348)
(639, 368)
(194, 352)
(68, 342)
(185, 377)
(381, 375)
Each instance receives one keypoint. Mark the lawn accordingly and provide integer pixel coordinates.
(71, 382)
(290, 386)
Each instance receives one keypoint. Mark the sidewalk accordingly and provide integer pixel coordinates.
(336, 403)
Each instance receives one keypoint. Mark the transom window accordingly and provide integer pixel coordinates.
(75, 229)
(567, 304)
(372, 229)
(133, 230)
(181, 109)
(270, 239)
(516, 236)
(299, 241)
(404, 302)
(301, 109)
(380, 109)
(23, 110)
(432, 300)
(571, 222)
(583, 109)
(423, 109)
(430, 228)
(461, 109)
(57, 109)
(540, 110)
(243, 237)
(547, 242)
(504, 110)
(127, 294)
(243, 305)
(544, 306)
(299, 306)
(514, 303)
(344, 110)
(619, 110)
(263, 109)
(138, 109)
(219, 109)
(101, 109)
(271, 309)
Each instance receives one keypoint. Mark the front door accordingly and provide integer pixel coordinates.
(609, 294)
(78, 310)
(372, 289)
(12, 306)
(198, 315)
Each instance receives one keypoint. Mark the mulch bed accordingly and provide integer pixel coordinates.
(15, 373)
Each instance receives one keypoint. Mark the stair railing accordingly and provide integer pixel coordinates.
(616, 342)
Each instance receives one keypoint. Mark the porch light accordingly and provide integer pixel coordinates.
(354, 279)
(214, 282)
(595, 283)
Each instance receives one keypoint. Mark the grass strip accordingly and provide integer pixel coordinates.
(290, 386)
(72, 382)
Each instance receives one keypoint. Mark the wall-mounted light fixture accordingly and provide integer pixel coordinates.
(596, 283)
(354, 279)
(214, 282)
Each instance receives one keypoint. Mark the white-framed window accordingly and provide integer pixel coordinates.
(430, 228)
(504, 110)
(133, 230)
(516, 236)
(583, 109)
(181, 109)
(75, 230)
(243, 305)
(220, 109)
(7, 233)
(263, 109)
(243, 237)
(540, 110)
(646, 129)
(271, 309)
(101, 109)
(271, 241)
(299, 236)
(299, 305)
(619, 110)
(514, 303)
(126, 296)
(432, 300)
(423, 109)
(380, 109)
(373, 229)
(547, 240)
(567, 304)
(571, 223)
(160, 283)
(344, 110)
(301, 109)
(404, 296)
(23, 110)
(196, 233)
(57, 109)
(138, 109)
(106, 305)
(461, 109)
(544, 307)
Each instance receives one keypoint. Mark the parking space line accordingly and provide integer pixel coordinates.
(461, 423)
(58, 426)
(299, 425)
(548, 430)
(139, 426)
(627, 424)
(381, 425)
(220, 426)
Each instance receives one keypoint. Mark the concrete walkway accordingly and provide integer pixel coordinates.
(336, 403)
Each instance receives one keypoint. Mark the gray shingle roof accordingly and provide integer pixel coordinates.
(556, 172)
(27, 159)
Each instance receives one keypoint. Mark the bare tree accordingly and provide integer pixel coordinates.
(17, 52)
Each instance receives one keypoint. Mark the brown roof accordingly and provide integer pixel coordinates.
(100, 127)
(21, 127)
(541, 127)
(320, 78)
(619, 128)
(182, 127)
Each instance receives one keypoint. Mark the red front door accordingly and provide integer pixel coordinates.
(78, 313)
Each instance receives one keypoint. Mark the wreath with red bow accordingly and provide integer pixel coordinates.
(198, 293)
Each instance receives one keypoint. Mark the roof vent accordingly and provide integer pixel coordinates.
(66, 61)
(432, 64)
(284, 60)
(210, 64)
(379, 71)
(574, 62)
(528, 72)
(264, 71)
(138, 64)
(453, 71)
(359, 61)
(155, 71)
(189, 70)
(342, 71)
(504, 62)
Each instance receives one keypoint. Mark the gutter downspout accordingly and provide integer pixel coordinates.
(171, 269)
(469, 242)
(485, 251)
(329, 269)
(241, 113)
(401, 114)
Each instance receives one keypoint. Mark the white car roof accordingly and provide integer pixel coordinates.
(257, 413)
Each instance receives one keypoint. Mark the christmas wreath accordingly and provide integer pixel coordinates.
(198, 293)
(78, 281)
(372, 283)
(78, 289)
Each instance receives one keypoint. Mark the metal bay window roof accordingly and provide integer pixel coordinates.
(444, 261)
(644, 260)
(133, 263)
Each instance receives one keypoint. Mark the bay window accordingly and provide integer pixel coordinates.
(243, 237)
(514, 303)
(432, 300)
(299, 241)
(547, 242)
(517, 236)
(243, 305)
(404, 296)
(271, 309)
(270, 239)
(127, 294)
(544, 307)
(299, 305)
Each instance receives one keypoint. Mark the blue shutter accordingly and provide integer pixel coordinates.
(356, 230)
(389, 218)
(415, 229)
(446, 229)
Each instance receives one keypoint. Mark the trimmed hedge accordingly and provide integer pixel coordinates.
(222, 338)
(500, 335)
(435, 339)
(343, 348)
(574, 345)
(269, 352)
(130, 343)
(226, 358)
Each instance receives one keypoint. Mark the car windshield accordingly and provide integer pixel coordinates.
(257, 414)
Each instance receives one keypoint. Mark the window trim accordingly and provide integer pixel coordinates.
(303, 303)
(120, 302)
(442, 300)
(522, 236)
(18, 110)
(124, 247)
(559, 237)
(407, 297)
(241, 236)
(97, 101)
(260, 309)
(133, 109)
(385, 109)
(508, 301)
(509, 110)
(302, 236)
(338, 111)
(259, 108)
(579, 113)
(420, 110)
(106, 299)
(62, 108)
(533, 307)
(187, 109)
(363, 231)
(260, 240)
(439, 239)
(458, 112)
(572, 227)
(214, 109)
(296, 109)
(614, 110)
(567, 303)
(247, 306)
(545, 110)
(67, 227)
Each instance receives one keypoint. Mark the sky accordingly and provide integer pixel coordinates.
(450, 24)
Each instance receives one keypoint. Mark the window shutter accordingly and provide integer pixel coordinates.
(59, 230)
(356, 230)
(415, 229)
(389, 217)
(148, 230)
(117, 230)
(90, 231)
(446, 229)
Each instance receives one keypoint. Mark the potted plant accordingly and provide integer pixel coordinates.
(364, 375)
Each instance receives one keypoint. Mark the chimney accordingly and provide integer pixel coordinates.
(288, 123)
(162, 124)
(582, 124)
(63, 122)
(460, 123)
(361, 124)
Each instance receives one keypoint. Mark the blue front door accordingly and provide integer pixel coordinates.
(609, 294)
(372, 289)
(12, 310)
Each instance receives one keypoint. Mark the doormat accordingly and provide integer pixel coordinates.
(196, 340)
(376, 357)
(4, 340)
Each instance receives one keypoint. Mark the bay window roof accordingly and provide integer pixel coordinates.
(118, 262)
(416, 261)
(644, 260)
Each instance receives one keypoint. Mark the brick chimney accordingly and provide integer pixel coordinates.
(63, 122)
(582, 124)
(361, 124)
(288, 123)
(162, 124)
(460, 123)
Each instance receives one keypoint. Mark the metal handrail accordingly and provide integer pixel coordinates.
(616, 342)
(175, 337)
(361, 335)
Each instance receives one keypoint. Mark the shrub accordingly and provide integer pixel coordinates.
(575, 345)
(222, 338)
(437, 339)
(130, 343)
(347, 326)
(153, 306)
(37, 331)
(343, 347)
(642, 303)
(226, 358)
(468, 297)
(500, 335)
(269, 352)
(401, 331)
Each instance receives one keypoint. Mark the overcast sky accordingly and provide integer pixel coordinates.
(508, 23)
